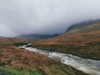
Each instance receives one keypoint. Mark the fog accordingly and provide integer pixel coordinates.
(44, 16)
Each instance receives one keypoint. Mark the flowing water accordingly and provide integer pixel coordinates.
(86, 65)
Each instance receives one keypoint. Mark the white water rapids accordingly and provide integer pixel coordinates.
(86, 65)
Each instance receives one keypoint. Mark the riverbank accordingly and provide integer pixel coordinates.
(16, 61)
(85, 65)
(88, 50)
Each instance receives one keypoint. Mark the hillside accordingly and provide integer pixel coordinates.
(82, 24)
(15, 61)
(38, 36)
(10, 41)
(82, 41)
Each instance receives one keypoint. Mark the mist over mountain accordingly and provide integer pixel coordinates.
(38, 36)
(19, 17)
(82, 24)
(81, 39)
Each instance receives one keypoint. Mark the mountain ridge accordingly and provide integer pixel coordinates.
(38, 36)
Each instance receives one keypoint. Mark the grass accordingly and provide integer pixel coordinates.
(12, 58)
(56, 70)
(20, 43)
(19, 71)
(12, 71)
(89, 50)
(15, 61)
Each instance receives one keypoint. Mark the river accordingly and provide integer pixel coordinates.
(86, 65)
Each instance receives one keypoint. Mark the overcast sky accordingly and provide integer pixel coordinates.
(44, 16)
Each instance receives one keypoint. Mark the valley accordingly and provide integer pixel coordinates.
(49, 37)
(82, 41)
(78, 46)
(86, 65)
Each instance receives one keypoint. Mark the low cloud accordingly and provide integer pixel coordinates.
(44, 16)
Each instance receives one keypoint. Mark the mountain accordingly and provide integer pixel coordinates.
(80, 25)
(38, 36)
(81, 40)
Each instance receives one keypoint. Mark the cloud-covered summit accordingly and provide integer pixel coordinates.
(44, 16)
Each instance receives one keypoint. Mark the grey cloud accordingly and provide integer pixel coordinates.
(44, 16)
